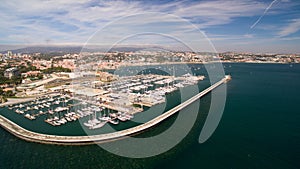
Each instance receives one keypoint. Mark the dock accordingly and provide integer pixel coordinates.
(128, 109)
(93, 139)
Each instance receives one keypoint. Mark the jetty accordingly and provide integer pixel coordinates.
(93, 139)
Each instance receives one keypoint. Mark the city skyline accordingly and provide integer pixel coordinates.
(244, 26)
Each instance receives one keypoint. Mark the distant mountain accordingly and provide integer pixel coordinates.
(70, 49)
(42, 49)
(126, 49)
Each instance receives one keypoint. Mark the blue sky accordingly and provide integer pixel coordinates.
(235, 25)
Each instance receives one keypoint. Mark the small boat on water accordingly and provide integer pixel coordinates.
(50, 111)
(30, 117)
(62, 121)
(56, 123)
(101, 124)
(113, 115)
(115, 121)
(68, 118)
(105, 118)
(55, 118)
(87, 124)
(128, 116)
(122, 118)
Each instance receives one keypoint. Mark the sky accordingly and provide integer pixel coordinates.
(268, 26)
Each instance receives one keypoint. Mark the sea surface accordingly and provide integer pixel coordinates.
(260, 128)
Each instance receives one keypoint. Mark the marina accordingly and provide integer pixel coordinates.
(104, 103)
(95, 123)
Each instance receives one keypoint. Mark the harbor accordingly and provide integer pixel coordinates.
(96, 103)
(79, 140)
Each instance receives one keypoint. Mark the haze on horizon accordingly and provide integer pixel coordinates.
(235, 25)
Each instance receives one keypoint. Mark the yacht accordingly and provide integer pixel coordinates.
(101, 124)
(114, 121)
(105, 118)
(122, 118)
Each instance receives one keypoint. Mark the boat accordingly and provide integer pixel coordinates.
(56, 123)
(59, 109)
(114, 121)
(101, 124)
(122, 118)
(62, 121)
(30, 117)
(105, 118)
(179, 85)
(27, 115)
(55, 118)
(128, 116)
(87, 124)
(73, 118)
(95, 121)
(113, 115)
(68, 119)
(50, 111)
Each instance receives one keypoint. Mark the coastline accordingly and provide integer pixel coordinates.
(179, 63)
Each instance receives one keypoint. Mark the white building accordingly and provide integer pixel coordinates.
(10, 72)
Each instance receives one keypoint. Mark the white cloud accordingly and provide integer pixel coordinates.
(37, 21)
(292, 27)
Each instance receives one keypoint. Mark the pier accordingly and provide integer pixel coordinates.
(82, 140)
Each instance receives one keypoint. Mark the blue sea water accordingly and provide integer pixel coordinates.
(259, 129)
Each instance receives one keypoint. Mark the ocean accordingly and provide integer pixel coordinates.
(259, 129)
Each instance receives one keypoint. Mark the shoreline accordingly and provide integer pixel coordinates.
(180, 63)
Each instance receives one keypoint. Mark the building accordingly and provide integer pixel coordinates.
(11, 72)
(105, 76)
(9, 54)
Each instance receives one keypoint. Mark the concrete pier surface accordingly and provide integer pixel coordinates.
(93, 139)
